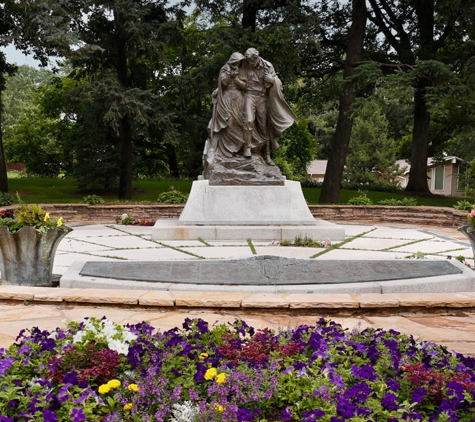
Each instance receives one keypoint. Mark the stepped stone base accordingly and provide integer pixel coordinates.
(170, 229)
(264, 213)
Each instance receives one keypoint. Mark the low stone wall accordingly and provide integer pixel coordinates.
(76, 214)
(435, 216)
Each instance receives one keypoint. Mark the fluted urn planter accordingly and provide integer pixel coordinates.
(469, 231)
(27, 255)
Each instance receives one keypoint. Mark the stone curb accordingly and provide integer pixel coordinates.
(239, 300)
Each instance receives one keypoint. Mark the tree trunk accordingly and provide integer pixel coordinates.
(172, 161)
(125, 171)
(249, 14)
(417, 182)
(125, 135)
(3, 164)
(420, 140)
(336, 161)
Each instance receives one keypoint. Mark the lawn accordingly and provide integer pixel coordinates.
(44, 191)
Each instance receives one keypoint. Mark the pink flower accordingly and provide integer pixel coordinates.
(472, 214)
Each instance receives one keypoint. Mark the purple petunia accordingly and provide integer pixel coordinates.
(77, 415)
(345, 408)
(389, 401)
(418, 395)
(49, 416)
(313, 415)
(366, 372)
(286, 414)
(393, 385)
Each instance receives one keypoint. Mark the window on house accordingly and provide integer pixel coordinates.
(439, 178)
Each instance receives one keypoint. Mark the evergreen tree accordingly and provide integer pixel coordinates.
(371, 154)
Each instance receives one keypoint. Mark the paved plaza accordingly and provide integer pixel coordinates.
(444, 318)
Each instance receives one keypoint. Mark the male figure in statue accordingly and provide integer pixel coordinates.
(266, 114)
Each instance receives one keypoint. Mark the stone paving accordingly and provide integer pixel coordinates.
(444, 318)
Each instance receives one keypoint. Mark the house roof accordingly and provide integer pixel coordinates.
(317, 167)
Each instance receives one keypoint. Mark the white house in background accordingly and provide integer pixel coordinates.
(443, 178)
(316, 170)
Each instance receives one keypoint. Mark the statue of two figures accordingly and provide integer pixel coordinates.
(249, 116)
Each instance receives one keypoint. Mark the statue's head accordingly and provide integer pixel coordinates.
(251, 53)
(236, 58)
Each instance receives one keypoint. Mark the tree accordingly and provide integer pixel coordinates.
(423, 38)
(7, 25)
(336, 161)
(371, 155)
(41, 133)
(115, 49)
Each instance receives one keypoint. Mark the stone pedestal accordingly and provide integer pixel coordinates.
(264, 213)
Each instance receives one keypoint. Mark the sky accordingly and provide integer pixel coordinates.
(15, 56)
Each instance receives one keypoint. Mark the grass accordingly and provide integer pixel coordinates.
(46, 191)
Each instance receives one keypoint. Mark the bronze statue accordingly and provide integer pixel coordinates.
(249, 117)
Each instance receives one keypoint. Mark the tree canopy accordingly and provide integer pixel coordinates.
(132, 92)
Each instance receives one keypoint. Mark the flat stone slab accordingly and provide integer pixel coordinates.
(268, 270)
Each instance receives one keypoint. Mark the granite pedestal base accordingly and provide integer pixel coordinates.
(264, 213)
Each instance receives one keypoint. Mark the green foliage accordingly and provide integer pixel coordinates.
(29, 215)
(5, 199)
(93, 199)
(371, 154)
(304, 242)
(409, 202)
(297, 149)
(469, 179)
(463, 205)
(361, 199)
(377, 186)
(172, 196)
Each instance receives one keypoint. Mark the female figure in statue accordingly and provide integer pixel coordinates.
(226, 125)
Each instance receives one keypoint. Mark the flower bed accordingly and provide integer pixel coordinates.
(98, 371)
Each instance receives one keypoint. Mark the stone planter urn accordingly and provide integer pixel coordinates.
(27, 255)
(469, 231)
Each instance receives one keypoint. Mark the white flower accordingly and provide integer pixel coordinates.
(186, 412)
(77, 338)
(119, 346)
(124, 216)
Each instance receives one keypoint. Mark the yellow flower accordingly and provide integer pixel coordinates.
(218, 408)
(46, 217)
(60, 222)
(203, 356)
(127, 407)
(221, 378)
(104, 389)
(133, 387)
(114, 384)
(210, 374)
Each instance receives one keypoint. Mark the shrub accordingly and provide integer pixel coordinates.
(172, 196)
(93, 200)
(5, 199)
(463, 205)
(361, 199)
(409, 202)
(379, 186)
